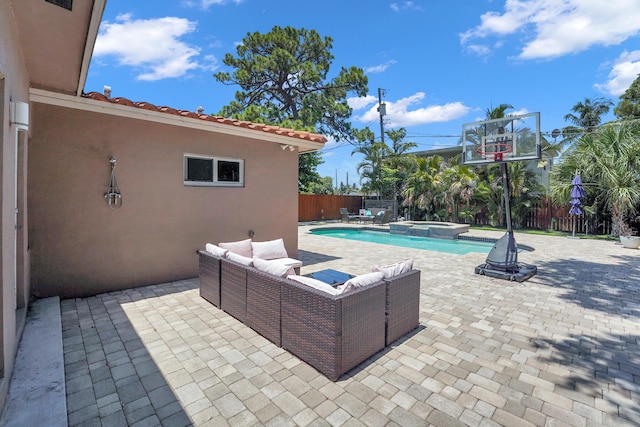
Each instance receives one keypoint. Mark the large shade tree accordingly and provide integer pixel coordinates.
(628, 107)
(284, 79)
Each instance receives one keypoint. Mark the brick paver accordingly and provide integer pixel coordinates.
(562, 348)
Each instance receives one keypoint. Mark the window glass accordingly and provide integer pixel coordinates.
(200, 170)
(228, 171)
(211, 171)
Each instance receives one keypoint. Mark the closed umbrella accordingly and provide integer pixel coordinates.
(577, 193)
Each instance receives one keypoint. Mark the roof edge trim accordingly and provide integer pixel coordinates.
(92, 34)
(81, 103)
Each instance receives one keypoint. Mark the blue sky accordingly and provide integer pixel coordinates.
(441, 63)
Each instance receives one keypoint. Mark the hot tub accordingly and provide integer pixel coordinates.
(440, 230)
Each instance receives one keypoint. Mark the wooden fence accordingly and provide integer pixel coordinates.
(545, 216)
(321, 207)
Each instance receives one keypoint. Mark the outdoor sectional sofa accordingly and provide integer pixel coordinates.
(332, 333)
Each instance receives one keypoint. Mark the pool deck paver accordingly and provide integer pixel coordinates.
(560, 349)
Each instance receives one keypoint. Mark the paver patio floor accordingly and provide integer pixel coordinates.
(562, 348)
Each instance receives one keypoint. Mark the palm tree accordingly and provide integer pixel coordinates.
(398, 162)
(423, 184)
(460, 182)
(498, 112)
(587, 118)
(609, 162)
(371, 167)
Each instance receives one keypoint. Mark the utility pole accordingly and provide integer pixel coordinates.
(382, 109)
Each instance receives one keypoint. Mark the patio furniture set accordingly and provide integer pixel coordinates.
(332, 326)
(373, 215)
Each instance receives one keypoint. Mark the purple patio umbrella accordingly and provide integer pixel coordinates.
(577, 193)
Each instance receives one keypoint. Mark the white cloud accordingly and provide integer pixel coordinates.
(478, 49)
(361, 102)
(380, 68)
(407, 5)
(560, 27)
(151, 46)
(625, 70)
(205, 4)
(399, 113)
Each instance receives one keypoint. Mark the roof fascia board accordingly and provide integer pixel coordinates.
(53, 98)
(92, 34)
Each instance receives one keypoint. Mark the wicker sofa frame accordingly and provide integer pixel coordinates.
(332, 333)
(402, 305)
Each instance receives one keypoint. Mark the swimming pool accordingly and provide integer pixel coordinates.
(458, 247)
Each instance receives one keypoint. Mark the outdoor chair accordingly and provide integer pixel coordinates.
(346, 216)
(382, 217)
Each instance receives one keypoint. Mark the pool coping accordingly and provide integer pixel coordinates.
(387, 230)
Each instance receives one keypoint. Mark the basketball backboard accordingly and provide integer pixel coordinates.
(509, 139)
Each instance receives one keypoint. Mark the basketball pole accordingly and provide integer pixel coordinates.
(511, 255)
(507, 196)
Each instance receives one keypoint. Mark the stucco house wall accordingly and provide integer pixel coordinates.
(14, 288)
(80, 246)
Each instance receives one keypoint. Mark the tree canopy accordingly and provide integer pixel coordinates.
(629, 106)
(284, 80)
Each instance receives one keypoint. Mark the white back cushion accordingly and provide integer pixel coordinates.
(275, 267)
(239, 258)
(270, 249)
(314, 283)
(361, 281)
(215, 250)
(394, 269)
(241, 247)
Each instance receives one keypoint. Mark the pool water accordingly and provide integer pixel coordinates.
(458, 247)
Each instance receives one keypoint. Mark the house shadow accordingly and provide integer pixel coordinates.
(373, 359)
(602, 366)
(110, 377)
(612, 289)
(311, 258)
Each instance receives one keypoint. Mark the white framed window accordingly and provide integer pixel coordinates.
(213, 171)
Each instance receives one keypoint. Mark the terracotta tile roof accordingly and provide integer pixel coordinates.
(307, 136)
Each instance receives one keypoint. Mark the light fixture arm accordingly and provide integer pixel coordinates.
(113, 195)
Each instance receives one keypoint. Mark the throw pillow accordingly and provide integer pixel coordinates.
(241, 247)
(270, 249)
(215, 250)
(361, 281)
(275, 267)
(314, 283)
(394, 269)
(239, 258)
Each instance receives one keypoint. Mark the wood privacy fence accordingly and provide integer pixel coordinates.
(321, 207)
(545, 216)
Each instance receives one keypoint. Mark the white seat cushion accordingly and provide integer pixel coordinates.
(291, 262)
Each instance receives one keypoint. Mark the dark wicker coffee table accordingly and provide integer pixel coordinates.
(330, 276)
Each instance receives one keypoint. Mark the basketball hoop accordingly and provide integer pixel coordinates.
(496, 151)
